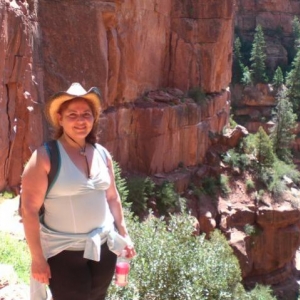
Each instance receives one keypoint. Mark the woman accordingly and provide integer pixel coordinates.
(73, 244)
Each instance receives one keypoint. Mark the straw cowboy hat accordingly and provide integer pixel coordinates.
(93, 95)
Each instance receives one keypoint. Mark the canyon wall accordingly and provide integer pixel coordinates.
(21, 88)
(127, 48)
(145, 56)
(275, 17)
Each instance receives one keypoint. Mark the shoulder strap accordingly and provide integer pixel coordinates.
(102, 152)
(55, 162)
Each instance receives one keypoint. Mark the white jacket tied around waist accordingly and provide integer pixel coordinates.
(55, 242)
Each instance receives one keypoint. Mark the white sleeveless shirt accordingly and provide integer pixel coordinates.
(75, 203)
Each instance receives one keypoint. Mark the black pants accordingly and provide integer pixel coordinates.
(76, 278)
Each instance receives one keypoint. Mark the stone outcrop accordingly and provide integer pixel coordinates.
(253, 105)
(156, 137)
(272, 244)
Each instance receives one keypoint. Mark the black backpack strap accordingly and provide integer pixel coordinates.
(55, 162)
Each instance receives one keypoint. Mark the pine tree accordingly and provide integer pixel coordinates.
(237, 66)
(265, 154)
(296, 32)
(258, 56)
(121, 184)
(293, 82)
(278, 78)
(282, 133)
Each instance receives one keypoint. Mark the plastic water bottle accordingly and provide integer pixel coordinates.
(122, 269)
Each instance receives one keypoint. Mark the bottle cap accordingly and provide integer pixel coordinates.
(122, 268)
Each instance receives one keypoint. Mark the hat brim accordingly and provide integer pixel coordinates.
(93, 96)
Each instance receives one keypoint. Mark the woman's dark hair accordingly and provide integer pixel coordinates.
(92, 136)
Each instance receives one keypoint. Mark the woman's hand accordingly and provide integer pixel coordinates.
(40, 270)
(130, 251)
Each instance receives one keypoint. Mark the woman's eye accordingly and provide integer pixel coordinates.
(87, 115)
(72, 116)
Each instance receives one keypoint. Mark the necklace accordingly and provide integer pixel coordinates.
(83, 153)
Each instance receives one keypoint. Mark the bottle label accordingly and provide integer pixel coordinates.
(121, 279)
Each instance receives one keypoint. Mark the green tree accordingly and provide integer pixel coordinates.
(282, 133)
(140, 190)
(296, 32)
(247, 77)
(264, 149)
(293, 82)
(121, 184)
(258, 56)
(278, 78)
(237, 66)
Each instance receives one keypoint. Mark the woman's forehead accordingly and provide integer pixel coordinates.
(78, 104)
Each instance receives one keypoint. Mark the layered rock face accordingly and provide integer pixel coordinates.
(126, 48)
(20, 89)
(156, 137)
(264, 237)
(253, 105)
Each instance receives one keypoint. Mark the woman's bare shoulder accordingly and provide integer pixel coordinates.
(39, 159)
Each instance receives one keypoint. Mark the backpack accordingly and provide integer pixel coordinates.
(54, 156)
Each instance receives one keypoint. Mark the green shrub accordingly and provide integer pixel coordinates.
(235, 159)
(140, 190)
(273, 177)
(250, 185)
(197, 95)
(209, 186)
(232, 158)
(15, 252)
(173, 264)
(252, 230)
(283, 169)
(7, 195)
(245, 161)
(249, 229)
(232, 123)
(224, 184)
(168, 201)
(248, 144)
(260, 292)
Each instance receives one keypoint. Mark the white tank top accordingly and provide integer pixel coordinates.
(75, 203)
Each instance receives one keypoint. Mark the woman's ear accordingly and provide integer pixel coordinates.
(59, 118)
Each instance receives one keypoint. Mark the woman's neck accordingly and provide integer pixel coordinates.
(74, 143)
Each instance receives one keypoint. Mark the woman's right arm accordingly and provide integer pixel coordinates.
(34, 187)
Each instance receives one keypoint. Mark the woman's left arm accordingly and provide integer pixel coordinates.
(115, 205)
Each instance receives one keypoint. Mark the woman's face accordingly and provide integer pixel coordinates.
(76, 118)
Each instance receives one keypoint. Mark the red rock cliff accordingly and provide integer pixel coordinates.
(126, 48)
